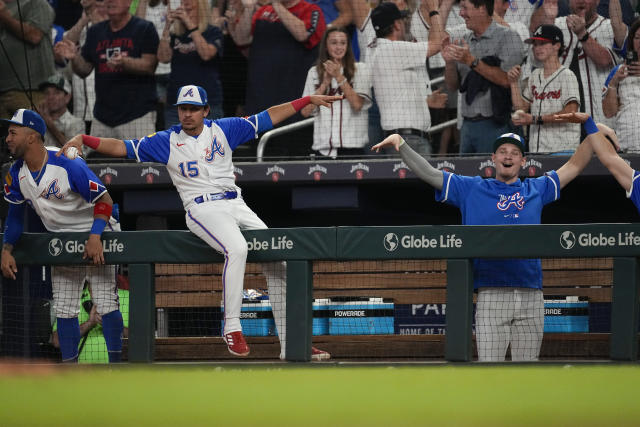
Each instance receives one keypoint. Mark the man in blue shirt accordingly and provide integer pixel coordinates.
(510, 308)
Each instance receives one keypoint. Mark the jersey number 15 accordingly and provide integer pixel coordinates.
(191, 170)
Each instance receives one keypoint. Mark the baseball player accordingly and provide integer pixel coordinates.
(197, 153)
(510, 306)
(67, 196)
(551, 89)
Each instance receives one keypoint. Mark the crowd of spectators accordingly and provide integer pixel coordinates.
(114, 66)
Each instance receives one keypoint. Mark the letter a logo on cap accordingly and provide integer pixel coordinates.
(193, 95)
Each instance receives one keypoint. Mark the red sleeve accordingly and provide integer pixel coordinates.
(313, 20)
(256, 16)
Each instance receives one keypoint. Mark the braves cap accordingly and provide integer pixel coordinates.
(193, 95)
(385, 15)
(30, 119)
(56, 81)
(547, 33)
(509, 138)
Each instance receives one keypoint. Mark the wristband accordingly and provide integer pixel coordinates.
(300, 103)
(190, 31)
(102, 208)
(91, 141)
(590, 126)
(584, 38)
(98, 226)
(539, 120)
(433, 13)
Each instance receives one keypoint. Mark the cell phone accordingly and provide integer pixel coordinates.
(174, 4)
(632, 56)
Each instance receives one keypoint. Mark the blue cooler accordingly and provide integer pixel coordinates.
(321, 316)
(566, 314)
(256, 318)
(361, 316)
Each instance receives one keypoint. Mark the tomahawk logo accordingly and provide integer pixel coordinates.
(55, 246)
(567, 239)
(390, 241)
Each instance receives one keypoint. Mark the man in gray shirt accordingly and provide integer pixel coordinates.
(477, 66)
(25, 34)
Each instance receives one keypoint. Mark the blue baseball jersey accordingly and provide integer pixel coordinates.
(202, 164)
(492, 202)
(63, 194)
(634, 194)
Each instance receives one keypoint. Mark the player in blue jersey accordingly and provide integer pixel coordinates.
(510, 306)
(197, 153)
(67, 196)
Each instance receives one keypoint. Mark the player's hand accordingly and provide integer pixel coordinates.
(394, 140)
(93, 250)
(76, 142)
(437, 99)
(620, 75)
(514, 74)
(9, 267)
(609, 134)
(575, 117)
(324, 100)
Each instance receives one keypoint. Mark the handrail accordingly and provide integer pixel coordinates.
(279, 131)
(308, 122)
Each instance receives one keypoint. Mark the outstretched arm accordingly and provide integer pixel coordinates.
(605, 150)
(109, 146)
(282, 112)
(414, 161)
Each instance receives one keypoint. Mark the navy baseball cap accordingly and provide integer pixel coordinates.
(547, 33)
(29, 119)
(385, 15)
(509, 138)
(192, 95)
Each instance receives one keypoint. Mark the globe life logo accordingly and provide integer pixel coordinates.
(56, 246)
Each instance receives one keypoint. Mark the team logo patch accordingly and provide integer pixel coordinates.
(516, 199)
(210, 152)
(188, 93)
(52, 190)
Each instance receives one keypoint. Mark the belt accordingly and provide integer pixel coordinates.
(406, 131)
(477, 118)
(210, 197)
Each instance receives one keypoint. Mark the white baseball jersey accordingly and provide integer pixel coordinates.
(198, 165)
(366, 36)
(550, 95)
(340, 126)
(626, 120)
(589, 75)
(401, 84)
(62, 193)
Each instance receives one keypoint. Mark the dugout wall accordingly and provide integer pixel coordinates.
(142, 251)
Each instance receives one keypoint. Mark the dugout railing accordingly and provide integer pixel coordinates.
(300, 247)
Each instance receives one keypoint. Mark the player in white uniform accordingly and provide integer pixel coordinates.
(197, 153)
(67, 196)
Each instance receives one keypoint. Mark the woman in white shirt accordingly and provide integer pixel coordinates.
(342, 128)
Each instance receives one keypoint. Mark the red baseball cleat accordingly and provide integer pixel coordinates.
(236, 343)
(318, 355)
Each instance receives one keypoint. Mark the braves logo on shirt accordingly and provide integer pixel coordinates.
(515, 199)
(52, 190)
(210, 152)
